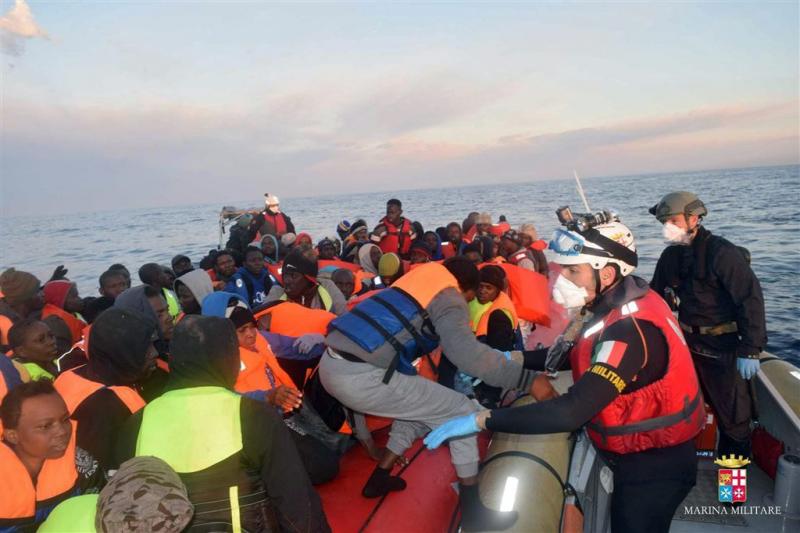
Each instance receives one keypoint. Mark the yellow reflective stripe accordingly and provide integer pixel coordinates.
(325, 298)
(236, 520)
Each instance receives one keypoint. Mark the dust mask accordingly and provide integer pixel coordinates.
(568, 294)
(675, 235)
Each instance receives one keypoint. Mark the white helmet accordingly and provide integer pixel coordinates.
(598, 246)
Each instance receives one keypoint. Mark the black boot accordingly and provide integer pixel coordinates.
(381, 483)
(477, 517)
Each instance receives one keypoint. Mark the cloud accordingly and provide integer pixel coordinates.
(16, 26)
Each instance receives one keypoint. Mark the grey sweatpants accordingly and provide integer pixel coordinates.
(416, 404)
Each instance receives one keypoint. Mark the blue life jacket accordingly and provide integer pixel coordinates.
(380, 319)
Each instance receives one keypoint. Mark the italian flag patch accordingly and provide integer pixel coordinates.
(609, 353)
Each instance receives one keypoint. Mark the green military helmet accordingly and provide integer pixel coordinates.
(677, 203)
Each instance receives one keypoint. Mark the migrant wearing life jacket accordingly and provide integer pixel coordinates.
(324, 297)
(387, 314)
(498, 229)
(519, 255)
(529, 292)
(665, 413)
(294, 320)
(259, 370)
(275, 270)
(450, 250)
(204, 446)
(74, 323)
(23, 504)
(5, 326)
(480, 321)
(33, 369)
(397, 238)
(75, 389)
(173, 306)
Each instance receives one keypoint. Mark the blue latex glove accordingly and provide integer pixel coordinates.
(747, 367)
(457, 427)
(507, 355)
(306, 343)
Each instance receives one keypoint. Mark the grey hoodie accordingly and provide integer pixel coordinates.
(198, 282)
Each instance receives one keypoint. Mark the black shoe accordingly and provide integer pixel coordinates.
(381, 483)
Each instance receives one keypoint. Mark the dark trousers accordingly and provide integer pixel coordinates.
(646, 506)
(729, 396)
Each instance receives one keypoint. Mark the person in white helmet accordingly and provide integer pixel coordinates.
(635, 388)
(273, 221)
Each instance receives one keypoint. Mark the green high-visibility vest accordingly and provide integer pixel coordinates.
(191, 429)
(324, 297)
(173, 306)
(75, 515)
(35, 371)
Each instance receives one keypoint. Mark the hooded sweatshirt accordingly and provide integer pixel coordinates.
(267, 469)
(198, 282)
(253, 289)
(273, 258)
(365, 258)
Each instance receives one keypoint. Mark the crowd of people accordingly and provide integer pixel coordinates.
(228, 387)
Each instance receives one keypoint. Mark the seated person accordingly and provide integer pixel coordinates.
(326, 249)
(345, 281)
(181, 264)
(34, 348)
(270, 248)
(420, 253)
(300, 285)
(251, 281)
(102, 394)
(223, 445)
(62, 300)
(191, 288)
(40, 465)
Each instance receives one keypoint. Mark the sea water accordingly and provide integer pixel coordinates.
(756, 208)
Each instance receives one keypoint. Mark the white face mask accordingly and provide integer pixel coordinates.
(568, 294)
(675, 235)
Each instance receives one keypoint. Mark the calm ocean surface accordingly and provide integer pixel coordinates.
(756, 208)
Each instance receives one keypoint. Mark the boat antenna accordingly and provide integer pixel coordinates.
(580, 191)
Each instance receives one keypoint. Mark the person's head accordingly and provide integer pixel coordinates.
(510, 242)
(254, 260)
(269, 247)
(390, 268)
(153, 274)
(299, 274)
(591, 262)
(33, 340)
(64, 295)
(170, 276)
(473, 253)
(359, 230)
(224, 264)
(528, 234)
(466, 274)
(288, 241)
(159, 304)
(483, 223)
(493, 280)
(204, 352)
(191, 288)
(369, 255)
(112, 283)
(125, 272)
(394, 210)
(345, 281)
(244, 322)
(36, 421)
(272, 203)
(681, 213)
(419, 253)
(304, 240)
(326, 249)
(468, 222)
(22, 291)
(431, 240)
(454, 234)
(181, 264)
(121, 351)
(150, 302)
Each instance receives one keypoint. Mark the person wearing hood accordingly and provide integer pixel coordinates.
(635, 387)
(247, 475)
(272, 220)
(304, 241)
(191, 288)
(102, 394)
(369, 255)
(62, 301)
(434, 244)
(253, 280)
(300, 285)
(262, 377)
(270, 248)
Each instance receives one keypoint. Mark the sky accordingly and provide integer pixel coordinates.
(115, 104)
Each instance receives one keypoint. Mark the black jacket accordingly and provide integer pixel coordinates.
(715, 284)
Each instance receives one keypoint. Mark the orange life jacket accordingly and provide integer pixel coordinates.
(448, 250)
(293, 320)
(275, 270)
(75, 389)
(74, 323)
(503, 303)
(5, 326)
(498, 229)
(665, 413)
(19, 498)
(530, 293)
(252, 370)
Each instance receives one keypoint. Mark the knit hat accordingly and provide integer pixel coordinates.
(357, 226)
(288, 239)
(529, 230)
(494, 275)
(297, 261)
(483, 218)
(512, 236)
(144, 495)
(343, 229)
(388, 265)
(18, 286)
(419, 247)
(55, 292)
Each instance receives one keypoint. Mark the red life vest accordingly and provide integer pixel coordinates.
(74, 323)
(518, 256)
(448, 250)
(398, 238)
(20, 499)
(75, 389)
(275, 270)
(278, 222)
(498, 229)
(664, 413)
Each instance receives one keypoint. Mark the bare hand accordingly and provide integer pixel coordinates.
(542, 389)
(287, 398)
